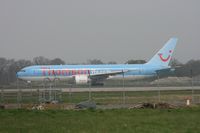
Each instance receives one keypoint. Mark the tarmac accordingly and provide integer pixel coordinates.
(105, 89)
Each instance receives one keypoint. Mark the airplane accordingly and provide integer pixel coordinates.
(97, 74)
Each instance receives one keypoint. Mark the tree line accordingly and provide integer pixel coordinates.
(9, 67)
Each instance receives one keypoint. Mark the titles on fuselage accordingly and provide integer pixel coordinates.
(69, 72)
(52, 72)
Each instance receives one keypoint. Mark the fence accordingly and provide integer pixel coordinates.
(123, 95)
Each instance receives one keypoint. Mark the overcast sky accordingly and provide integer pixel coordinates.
(110, 30)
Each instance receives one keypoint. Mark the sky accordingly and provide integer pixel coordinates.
(109, 30)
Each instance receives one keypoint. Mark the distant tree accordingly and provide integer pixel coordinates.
(41, 61)
(135, 62)
(21, 64)
(112, 62)
(95, 61)
(4, 70)
(174, 62)
(17, 66)
(2, 61)
(57, 61)
(193, 65)
(185, 69)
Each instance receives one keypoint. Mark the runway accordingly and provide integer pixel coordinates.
(106, 89)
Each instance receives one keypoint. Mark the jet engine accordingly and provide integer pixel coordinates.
(81, 79)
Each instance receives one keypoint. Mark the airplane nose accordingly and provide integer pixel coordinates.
(18, 74)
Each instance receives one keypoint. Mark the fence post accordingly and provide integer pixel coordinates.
(158, 85)
(124, 93)
(192, 84)
(2, 95)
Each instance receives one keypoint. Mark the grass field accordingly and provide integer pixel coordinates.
(101, 121)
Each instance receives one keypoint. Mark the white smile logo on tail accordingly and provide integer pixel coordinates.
(165, 59)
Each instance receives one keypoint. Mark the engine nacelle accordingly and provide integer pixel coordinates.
(81, 79)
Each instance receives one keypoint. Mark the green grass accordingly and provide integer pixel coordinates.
(101, 121)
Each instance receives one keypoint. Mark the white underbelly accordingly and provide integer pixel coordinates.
(43, 78)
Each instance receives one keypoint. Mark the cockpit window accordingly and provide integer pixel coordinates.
(23, 71)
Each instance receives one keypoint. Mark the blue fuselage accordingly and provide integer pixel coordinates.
(63, 72)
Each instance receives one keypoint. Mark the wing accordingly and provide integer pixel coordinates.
(110, 73)
(98, 78)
